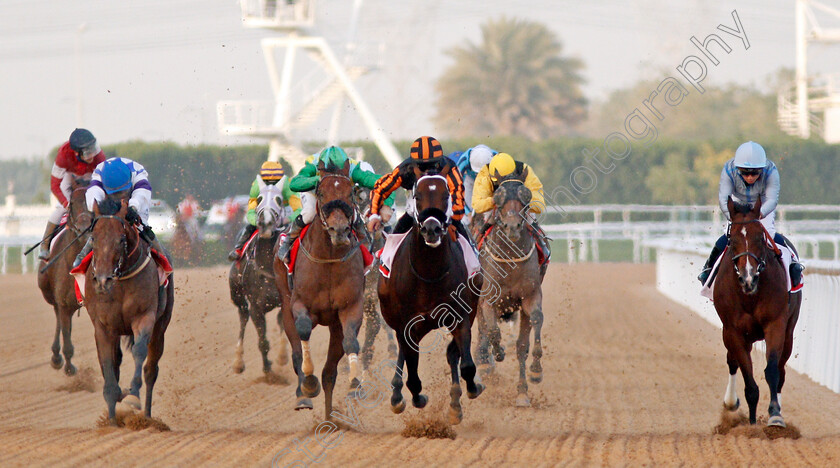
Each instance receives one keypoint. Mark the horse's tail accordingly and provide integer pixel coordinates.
(128, 343)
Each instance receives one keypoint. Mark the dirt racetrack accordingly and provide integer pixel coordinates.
(630, 379)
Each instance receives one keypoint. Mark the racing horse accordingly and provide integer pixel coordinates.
(251, 279)
(186, 248)
(428, 289)
(373, 318)
(752, 300)
(55, 282)
(328, 278)
(123, 297)
(513, 283)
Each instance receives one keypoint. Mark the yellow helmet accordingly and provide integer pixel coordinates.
(271, 171)
(503, 163)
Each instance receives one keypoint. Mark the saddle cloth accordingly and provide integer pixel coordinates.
(392, 244)
(708, 289)
(366, 255)
(241, 251)
(164, 269)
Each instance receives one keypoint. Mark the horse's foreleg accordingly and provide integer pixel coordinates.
(105, 352)
(494, 335)
(415, 386)
(303, 326)
(774, 339)
(730, 398)
(462, 335)
(282, 350)
(57, 361)
(453, 356)
(522, 349)
(482, 349)
(372, 327)
(397, 401)
(330, 371)
(533, 307)
(238, 361)
(393, 349)
(150, 370)
(739, 347)
(351, 321)
(258, 317)
(297, 359)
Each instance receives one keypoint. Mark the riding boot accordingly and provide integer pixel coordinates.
(44, 252)
(244, 235)
(707, 268)
(85, 251)
(404, 224)
(284, 251)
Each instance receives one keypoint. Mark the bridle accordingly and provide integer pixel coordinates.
(318, 201)
(761, 262)
(142, 260)
(416, 213)
(71, 216)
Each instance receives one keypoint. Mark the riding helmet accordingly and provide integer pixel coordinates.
(81, 139)
(116, 176)
(334, 155)
(271, 171)
(426, 148)
(501, 164)
(750, 155)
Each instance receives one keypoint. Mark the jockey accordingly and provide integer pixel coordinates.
(122, 179)
(427, 157)
(470, 163)
(488, 180)
(361, 173)
(76, 157)
(188, 208)
(746, 177)
(271, 173)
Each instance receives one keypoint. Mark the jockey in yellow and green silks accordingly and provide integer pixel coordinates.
(307, 179)
(271, 173)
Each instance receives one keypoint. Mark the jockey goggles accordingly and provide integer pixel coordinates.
(89, 152)
(749, 172)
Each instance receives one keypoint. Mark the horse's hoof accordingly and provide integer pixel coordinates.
(733, 407)
(777, 421)
(238, 367)
(499, 354)
(354, 386)
(69, 370)
(535, 377)
(57, 361)
(132, 401)
(455, 415)
(399, 407)
(303, 403)
(420, 401)
(479, 388)
(522, 401)
(311, 386)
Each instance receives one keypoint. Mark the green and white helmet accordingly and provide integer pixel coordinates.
(334, 156)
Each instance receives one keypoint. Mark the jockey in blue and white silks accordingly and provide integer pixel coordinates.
(470, 163)
(746, 178)
(116, 175)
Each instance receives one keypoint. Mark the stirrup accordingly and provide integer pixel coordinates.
(233, 256)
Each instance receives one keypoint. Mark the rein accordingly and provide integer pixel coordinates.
(142, 260)
(318, 202)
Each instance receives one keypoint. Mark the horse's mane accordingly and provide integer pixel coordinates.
(742, 208)
(109, 207)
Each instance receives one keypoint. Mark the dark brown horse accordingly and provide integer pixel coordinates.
(752, 300)
(252, 281)
(512, 283)
(185, 247)
(328, 288)
(123, 298)
(429, 288)
(56, 284)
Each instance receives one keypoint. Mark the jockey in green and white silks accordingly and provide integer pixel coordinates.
(304, 183)
(746, 178)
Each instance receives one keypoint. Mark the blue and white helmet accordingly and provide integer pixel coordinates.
(750, 155)
(116, 176)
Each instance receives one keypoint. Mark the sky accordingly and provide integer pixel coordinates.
(155, 69)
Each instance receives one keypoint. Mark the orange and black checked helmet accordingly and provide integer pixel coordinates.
(426, 148)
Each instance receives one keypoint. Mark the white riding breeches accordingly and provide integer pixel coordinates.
(58, 212)
(309, 205)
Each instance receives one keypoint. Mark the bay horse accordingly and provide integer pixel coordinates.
(429, 288)
(56, 284)
(373, 317)
(513, 282)
(185, 247)
(752, 300)
(328, 289)
(252, 280)
(123, 297)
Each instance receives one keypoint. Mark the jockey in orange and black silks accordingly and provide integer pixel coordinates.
(746, 178)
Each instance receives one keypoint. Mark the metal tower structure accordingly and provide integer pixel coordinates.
(800, 103)
(295, 109)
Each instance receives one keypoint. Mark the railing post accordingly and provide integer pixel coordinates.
(23, 264)
(571, 248)
(3, 259)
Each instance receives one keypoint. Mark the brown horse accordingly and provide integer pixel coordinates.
(123, 297)
(252, 280)
(752, 300)
(513, 283)
(185, 247)
(56, 284)
(429, 289)
(328, 288)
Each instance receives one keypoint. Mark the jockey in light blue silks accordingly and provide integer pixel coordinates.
(745, 178)
(470, 163)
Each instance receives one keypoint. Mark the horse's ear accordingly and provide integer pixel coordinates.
(524, 194)
(447, 168)
(417, 172)
(730, 205)
(123, 208)
(96, 208)
(757, 208)
(320, 166)
(345, 171)
(499, 196)
(496, 174)
(524, 174)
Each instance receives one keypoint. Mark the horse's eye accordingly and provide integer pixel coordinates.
(259, 199)
(278, 200)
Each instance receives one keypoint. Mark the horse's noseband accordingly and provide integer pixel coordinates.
(762, 263)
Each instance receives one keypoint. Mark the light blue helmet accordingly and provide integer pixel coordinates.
(750, 155)
(116, 176)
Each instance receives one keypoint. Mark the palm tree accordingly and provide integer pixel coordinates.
(514, 83)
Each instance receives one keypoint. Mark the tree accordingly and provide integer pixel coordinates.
(514, 83)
